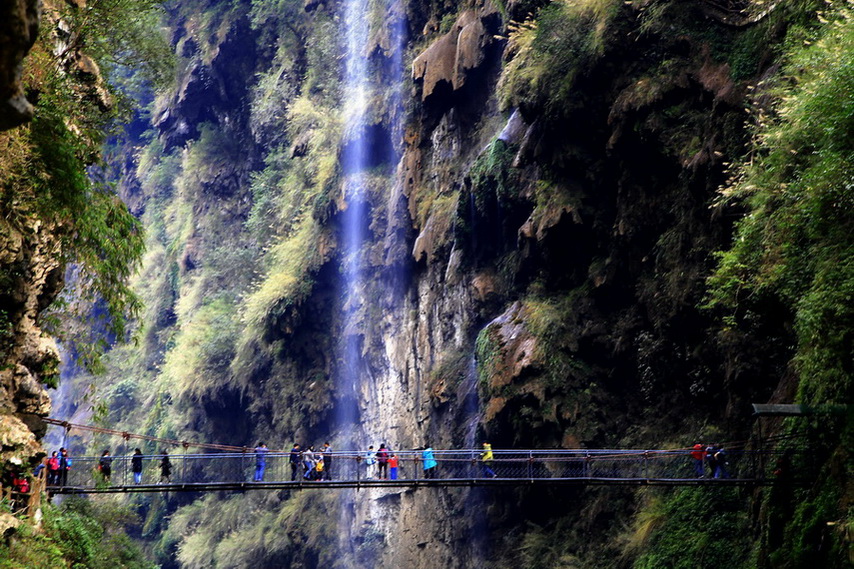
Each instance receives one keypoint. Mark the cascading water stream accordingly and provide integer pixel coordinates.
(363, 150)
(355, 157)
(370, 79)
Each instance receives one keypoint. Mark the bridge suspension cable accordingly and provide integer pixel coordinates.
(128, 436)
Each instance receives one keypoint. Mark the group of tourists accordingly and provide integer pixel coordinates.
(57, 465)
(381, 464)
(712, 456)
(105, 466)
(308, 463)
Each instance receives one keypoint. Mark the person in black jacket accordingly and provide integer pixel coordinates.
(165, 469)
(295, 460)
(327, 461)
(105, 465)
(136, 466)
(382, 461)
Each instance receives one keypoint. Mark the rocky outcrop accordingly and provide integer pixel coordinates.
(33, 275)
(19, 26)
(450, 59)
(208, 91)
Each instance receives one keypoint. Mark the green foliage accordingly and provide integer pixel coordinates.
(204, 349)
(550, 51)
(795, 245)
(247, 530)
(492, 173)
(545, 548)
(495, 185)
(78, 534)
(796, 240)
(6, 334)
(695, 528)
(123, 34)
(94, 227)
(489, 356)
(550, 320)
(51, 173)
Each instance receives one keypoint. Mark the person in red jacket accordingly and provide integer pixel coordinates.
(20, 483)
(698, 454)
(20, 490)
(392, 466)
(53, 469)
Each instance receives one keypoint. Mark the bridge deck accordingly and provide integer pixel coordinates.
(403, 484)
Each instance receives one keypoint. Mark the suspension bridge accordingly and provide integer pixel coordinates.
(454, 468)
(232, 468)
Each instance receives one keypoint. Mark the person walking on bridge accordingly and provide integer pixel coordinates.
(720, 463)
(698, 455)
(711, 460)
(308, 462)
(105, 465)
(393, 462)
(430, 463)
(64, 466)
(53, 469)
(371, 462)
(486, 458)
(318, 466)
(382, 462)
(136, 466)
(327, 461)
(165, 469)
(295, 460)
(260, 461)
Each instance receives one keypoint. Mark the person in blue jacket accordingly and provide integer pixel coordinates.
(64, 466)
(260, 461)
(721, 463)
(430, 463)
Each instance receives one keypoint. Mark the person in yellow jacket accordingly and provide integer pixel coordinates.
(486, 458)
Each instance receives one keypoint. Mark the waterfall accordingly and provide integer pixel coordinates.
(355, 158)
(369, 79)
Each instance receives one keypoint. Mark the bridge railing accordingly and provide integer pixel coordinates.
(602, 464)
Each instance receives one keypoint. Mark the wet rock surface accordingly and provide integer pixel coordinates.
(19, 25)
(451, 58)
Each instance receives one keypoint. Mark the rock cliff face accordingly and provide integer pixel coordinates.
(33, 248)
(32, 276)
(35, 278)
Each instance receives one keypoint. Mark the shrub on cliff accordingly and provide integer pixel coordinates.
(795, 246)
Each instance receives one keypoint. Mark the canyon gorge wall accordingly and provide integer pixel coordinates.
(541, 215)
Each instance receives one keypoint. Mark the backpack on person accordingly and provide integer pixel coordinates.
(53, 463)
